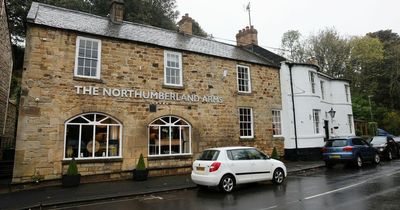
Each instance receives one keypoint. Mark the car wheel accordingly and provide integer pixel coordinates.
(227, 183)
(390, 155)
(377, 159)
(329, 164)
(279, 176)
(359, 161)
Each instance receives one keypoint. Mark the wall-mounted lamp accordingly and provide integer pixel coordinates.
(332, 113)
(224, 74)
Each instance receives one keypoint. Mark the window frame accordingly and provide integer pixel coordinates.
(248, 82)
(347, 92)
(274, 123)
(316, 121)
(93, 123)
(312, 81)
(322, 84)
(350, 121)
(98, 67)
(166, 52)
(169, 125)
(251, 123)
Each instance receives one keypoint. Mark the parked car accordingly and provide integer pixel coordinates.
(227, 167)
(349, 150)
(386, 146)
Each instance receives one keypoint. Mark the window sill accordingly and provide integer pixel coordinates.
(245, 93)
(173, 87)
(100, 160)
(84, 79)
(170, 157)
(247, 139)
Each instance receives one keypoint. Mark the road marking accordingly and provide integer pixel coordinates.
(152, 197)
(271, 207)
(332, 191)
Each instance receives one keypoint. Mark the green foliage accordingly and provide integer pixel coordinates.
(275, 154)
(372, 128)
(391, 122)
(197, 30)
(141, 165)
(292, 47)
(72, 168)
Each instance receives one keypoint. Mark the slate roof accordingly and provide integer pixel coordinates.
(266, 54)
(51, 16)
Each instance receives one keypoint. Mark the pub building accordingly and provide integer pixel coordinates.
(103, 91)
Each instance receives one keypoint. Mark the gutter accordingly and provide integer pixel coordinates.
(290, 65)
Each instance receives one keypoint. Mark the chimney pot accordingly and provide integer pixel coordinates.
(247, 36)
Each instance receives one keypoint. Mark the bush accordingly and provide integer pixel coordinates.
(141, 165)
(72, 168)
(275, 154)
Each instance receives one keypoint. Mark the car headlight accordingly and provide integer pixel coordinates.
(381, 149)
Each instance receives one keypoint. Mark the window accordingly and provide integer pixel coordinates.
(316, 114)
(87, 59)
(243, 79)
(169, 135)
(312, 81)
(350, 119)
(246, 122)
(173, 68)
(346, 90)
(91, 136)
(276, 123)
(322, 90)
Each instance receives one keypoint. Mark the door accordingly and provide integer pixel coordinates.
(326, 127)
(240, 165)
(260, 165)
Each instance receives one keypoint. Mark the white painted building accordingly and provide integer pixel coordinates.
(310, 122)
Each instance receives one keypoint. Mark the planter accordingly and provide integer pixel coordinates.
(140, 175)
(71, 181)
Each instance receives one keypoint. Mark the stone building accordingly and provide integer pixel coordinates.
(104, 91)
(5, 75)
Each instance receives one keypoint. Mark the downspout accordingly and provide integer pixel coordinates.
(293, 109)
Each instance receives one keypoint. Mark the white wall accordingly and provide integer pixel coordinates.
(306, 101)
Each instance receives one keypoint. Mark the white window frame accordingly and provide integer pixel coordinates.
(98, 68)
(276, 122)
(312, 81)
(322, 83)
(247, 83)
(244, 122)
(350, 119)
(316, 117)
(176, 124)
(347, 92)
(94, 123)
(180, 84)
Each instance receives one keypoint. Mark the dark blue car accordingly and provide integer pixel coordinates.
(349, 150)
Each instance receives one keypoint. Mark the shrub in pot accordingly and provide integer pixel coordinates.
(72, 178)
(140, 173)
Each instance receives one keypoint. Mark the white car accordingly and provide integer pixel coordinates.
(228, 166)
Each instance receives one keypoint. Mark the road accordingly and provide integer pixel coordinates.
(337, 188)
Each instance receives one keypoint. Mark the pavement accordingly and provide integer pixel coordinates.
(56, 195)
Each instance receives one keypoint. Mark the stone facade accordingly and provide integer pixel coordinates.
(5, 66)
(49, 98)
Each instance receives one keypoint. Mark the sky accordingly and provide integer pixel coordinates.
(272, 18)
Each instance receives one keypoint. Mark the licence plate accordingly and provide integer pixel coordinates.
(334, 156)
(200, 168)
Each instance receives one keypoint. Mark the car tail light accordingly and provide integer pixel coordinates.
(324, 149)
(215, 166)
(348, 149)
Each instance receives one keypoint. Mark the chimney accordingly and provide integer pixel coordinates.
(186, 25)
(117, 11)
(247, 36)
(312, 60)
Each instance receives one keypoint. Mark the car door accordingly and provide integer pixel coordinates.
(240, 165)
(260, 165)
(393, 146)
(369, 150)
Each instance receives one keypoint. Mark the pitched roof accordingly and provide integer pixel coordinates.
(266, 54)
(51, 16)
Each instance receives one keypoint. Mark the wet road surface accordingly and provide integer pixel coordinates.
(341, 187)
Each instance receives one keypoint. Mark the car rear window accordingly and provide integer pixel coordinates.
(336, 143)
(209, 155)
(378, 140)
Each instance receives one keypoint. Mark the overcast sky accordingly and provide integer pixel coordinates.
(272, 18)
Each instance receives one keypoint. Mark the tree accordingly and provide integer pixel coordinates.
(331, 50)
(292, 47)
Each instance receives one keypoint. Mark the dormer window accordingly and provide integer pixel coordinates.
(87, 58)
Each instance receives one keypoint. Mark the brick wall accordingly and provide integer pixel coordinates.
(48, 76)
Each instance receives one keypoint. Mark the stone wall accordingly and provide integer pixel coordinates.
(49, 64)
(5, 66)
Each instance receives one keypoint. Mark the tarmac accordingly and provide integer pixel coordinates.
(57, 195)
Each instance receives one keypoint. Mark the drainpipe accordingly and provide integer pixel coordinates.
(294, 109)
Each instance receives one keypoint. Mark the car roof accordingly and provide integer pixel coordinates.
(229, 148)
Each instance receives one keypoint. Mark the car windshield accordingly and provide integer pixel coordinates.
(377, 140)
(209, 155)
(336, 143)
